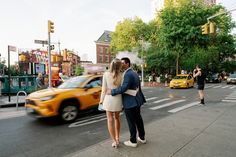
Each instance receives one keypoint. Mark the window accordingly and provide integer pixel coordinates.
(101, 50)
(100, 59)
(106, 50)
(97, 82)
(106, 59)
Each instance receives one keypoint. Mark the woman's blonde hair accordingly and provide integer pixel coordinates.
(115, 69)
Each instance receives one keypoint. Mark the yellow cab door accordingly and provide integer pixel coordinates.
(92, 92)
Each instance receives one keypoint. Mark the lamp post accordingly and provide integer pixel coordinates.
(142, 83)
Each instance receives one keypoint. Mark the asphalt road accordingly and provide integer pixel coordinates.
(28, 137)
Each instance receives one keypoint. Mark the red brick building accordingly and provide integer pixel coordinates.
(103, 51)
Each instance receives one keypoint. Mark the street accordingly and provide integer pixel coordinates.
(27, 136)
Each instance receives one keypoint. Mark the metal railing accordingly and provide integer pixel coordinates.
(17, 98)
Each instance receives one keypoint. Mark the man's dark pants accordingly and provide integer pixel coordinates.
(135, 122)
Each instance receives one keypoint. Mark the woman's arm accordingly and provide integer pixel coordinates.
(104, 87)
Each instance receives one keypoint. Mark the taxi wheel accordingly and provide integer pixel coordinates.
(68, 112)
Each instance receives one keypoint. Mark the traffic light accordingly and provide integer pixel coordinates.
(51, 47)
(212, 27)
(204, 28)
(50, 27)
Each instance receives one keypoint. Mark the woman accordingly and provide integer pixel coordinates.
(112, 104)
(197, 73)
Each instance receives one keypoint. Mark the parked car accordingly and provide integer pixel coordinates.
(182, 81)
(67, 100)
(213, 78)
(231, 79)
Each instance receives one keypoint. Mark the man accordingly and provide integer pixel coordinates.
(131, 103)
(197, 73)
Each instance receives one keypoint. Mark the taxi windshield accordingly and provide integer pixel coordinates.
(73, 82)
(180, 77)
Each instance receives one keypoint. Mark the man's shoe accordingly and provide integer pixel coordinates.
(142, 141)
(130, 144)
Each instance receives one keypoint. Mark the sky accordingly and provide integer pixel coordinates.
(78, 23)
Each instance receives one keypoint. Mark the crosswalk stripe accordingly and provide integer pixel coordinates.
(232, 87)
(152, 98)
(86, 123)
(225, 86)
(161, 100)
(209, 86)
(228, 100)
(217, 86)
(229, 97)
(167, 104)
(183, 107)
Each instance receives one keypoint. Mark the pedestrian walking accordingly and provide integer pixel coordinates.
(200, 76)
(112, 104)
(166, 79)
(131, 103)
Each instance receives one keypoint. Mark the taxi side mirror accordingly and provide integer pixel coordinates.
(86, 87)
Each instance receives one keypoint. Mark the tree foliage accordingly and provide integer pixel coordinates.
(175, 37)
(79, 70)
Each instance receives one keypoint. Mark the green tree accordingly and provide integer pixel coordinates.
(128, 34)
(79, 70)
(181, 35)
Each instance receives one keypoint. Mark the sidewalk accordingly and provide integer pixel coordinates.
(206, 131)
(4, 102)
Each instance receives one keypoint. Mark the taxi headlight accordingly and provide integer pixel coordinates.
(46, 98)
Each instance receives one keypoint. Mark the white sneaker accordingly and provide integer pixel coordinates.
(130, 144)
(142, 141)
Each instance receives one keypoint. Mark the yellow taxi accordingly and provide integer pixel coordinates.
(67, 100)
(182, 81)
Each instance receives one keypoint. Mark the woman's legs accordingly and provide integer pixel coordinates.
(110, 125)
(117, 126)
(201, 95)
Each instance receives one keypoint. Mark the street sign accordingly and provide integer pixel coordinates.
(11, 48)
(44, 42)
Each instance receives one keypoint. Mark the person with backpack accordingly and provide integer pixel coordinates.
(200, 76)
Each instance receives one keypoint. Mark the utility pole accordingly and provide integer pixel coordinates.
(50, 30)
(142, 83)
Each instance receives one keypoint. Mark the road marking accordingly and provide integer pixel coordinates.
(183, 107)
(152, 98)
(82, 124)
(217, 86)
(161, 100)
(225, 86)
(229, 97)
(209, 86)
(92, 120)
(229, 100)
(166, 105)
(232, 87)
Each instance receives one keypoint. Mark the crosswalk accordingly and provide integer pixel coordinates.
(230, 98)
(223, 86)
(169, 104)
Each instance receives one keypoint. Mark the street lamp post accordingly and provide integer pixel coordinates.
(142, 83)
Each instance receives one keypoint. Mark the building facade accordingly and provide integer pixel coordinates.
(103, 51)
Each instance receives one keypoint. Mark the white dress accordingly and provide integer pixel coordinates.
(110, 103)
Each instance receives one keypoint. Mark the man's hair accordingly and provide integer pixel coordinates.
(126, 59)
